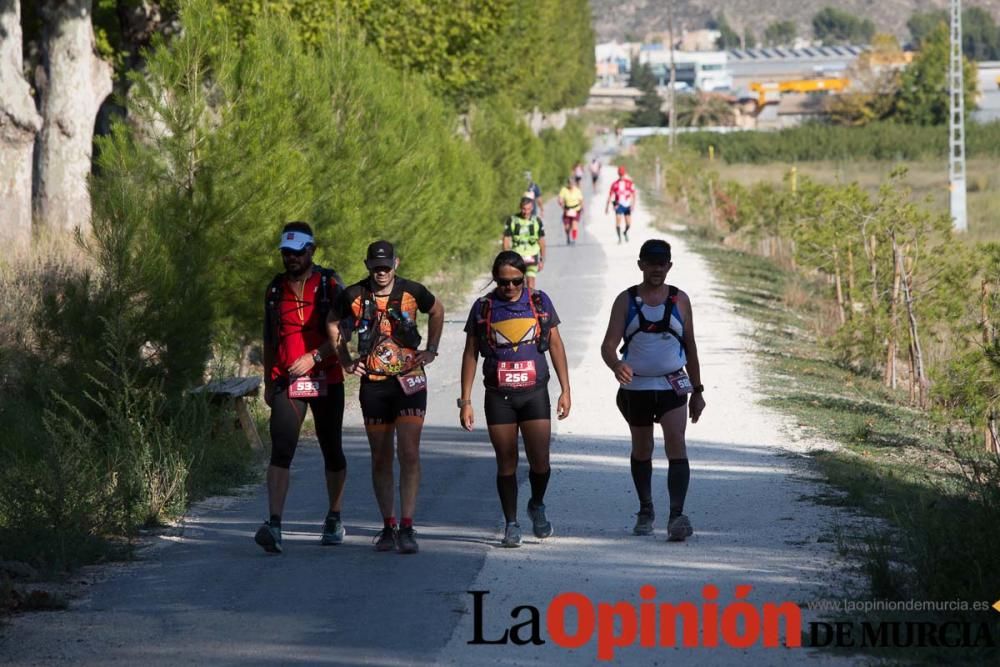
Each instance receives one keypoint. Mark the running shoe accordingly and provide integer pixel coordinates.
(333, 531)
(269, 537)
(511, 536)
(644, 522)
(407, 540)
(679, 528)
(540, 526)
(387, 539)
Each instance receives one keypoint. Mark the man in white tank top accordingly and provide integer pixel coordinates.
(657, 370)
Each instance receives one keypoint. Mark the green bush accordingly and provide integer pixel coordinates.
(815, 141)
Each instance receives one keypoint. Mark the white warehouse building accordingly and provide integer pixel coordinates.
(702, 70)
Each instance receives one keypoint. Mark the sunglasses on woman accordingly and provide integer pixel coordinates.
(517, 282)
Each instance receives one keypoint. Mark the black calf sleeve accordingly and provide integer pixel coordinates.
(539, 482)
(507, 488)
(678, 477)
(642, 477)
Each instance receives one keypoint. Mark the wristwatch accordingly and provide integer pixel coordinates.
(462, 402)
(699, 389)
(432, 348)
(317, 356)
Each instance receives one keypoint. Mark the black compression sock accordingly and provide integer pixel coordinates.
(678, 477)
(539, 482)
(642, 476)
(275, 521)
(333, 515)
(507, 488)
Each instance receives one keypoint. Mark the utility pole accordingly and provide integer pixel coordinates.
(956, 122)
(672, 118)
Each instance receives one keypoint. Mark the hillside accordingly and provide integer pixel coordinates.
(614, 19)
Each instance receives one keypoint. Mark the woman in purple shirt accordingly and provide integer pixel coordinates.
(512, 327)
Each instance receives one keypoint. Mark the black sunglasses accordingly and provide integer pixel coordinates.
(517, 282)
(294, 253)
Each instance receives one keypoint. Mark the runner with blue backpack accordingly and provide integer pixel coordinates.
(513, 327)
(657, 371)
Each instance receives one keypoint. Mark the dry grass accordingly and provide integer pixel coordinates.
(25, 276)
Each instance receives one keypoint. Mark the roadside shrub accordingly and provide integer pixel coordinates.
(818, 141)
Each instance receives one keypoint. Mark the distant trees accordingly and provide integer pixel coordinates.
(923, 92)
(834, 26)
(649, 107)
(730, 38)
(780, 33)
(703, 110)
(980, 33)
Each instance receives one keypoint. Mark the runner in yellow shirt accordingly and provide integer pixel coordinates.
(571, 201)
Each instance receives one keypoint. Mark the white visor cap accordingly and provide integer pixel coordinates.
(294, 241)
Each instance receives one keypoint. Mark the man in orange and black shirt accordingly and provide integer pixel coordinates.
(302, 372)
(382, 311)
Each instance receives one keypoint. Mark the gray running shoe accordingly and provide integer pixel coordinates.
(540, 526)
(679, 528)
(269, 537)
(387, 539)
(333, 532)
(644, 523)
(407, 540)
(511, 536)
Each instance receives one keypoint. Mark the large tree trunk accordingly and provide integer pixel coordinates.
(19, 124)
(76, 82)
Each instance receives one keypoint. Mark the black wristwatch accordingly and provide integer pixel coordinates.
(462, 402)
(317, 356)
(699, 389)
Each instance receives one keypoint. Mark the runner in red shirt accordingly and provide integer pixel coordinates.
(302, 371)
(623, 195)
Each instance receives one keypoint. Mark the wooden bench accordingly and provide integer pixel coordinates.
(237, 390)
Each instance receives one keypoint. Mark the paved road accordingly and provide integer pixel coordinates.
(210, 595)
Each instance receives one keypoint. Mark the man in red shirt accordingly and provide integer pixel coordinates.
(302, 371)
(623, 195)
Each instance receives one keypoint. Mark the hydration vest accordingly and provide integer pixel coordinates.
(645, 326)
(484, 325)
(403, 329)
(524, 232)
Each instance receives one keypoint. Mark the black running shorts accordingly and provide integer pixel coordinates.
(514, 407)
(383, 402)
(646, 407)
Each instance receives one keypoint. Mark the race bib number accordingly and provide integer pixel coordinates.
(680, 383)
(572, 212)
(413, 382)
(530, 260)
(516, 374)
(307, 387)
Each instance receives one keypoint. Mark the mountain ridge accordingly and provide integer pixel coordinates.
(616, 19)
